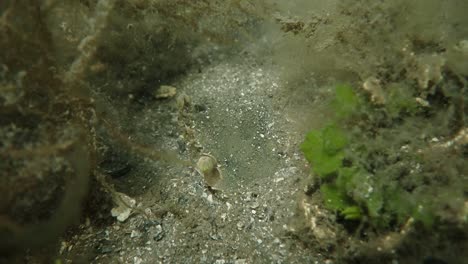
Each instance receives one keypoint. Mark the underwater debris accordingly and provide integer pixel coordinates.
(124, 206)
(165, 91)
(373, 87)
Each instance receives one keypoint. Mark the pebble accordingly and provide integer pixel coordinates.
(159, 233)
(165, 91)
(135, 234)
(106, 249)
(210, 199)
(137, 260)
(279, 179)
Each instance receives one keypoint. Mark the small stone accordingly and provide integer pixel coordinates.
(105, 250)
(280, 179)
(159, 233)
(422, 102)
(137, 260)
(372, 86)
(63, 246)
(148, 211)
(248, 197)
(124, 206)
(210, 199)
(224, 217)
(135, 234)
(165, 91)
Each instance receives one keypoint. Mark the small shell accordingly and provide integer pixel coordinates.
(207, 166)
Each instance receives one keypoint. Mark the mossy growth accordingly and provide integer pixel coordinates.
(380, 175)
(400, 100)
(324, 149)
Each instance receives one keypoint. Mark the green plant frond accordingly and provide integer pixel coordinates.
(345, 176)
(312, 147)
(353, 191)
(374, 204)
(333, 198)
(323, 149)
(334, 139)
(352, 213)
(327, 165)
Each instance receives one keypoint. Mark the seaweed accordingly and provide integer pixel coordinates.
(364, 178)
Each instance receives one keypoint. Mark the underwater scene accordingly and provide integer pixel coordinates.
(234, 131)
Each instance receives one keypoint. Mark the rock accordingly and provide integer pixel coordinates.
(159, 233)
(137, 260)
(124, 205)
(105, 249)
(373, 87)
(135, 234)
